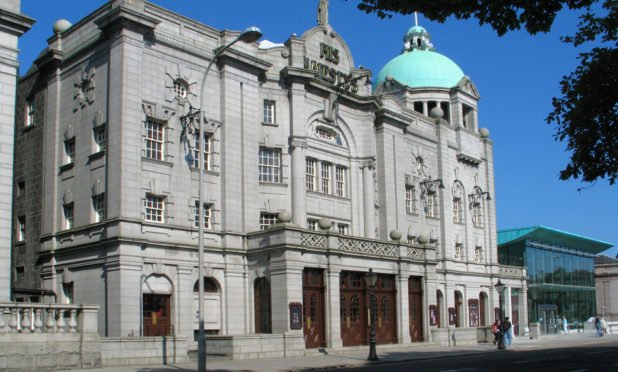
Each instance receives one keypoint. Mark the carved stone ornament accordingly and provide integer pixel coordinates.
(83, 94)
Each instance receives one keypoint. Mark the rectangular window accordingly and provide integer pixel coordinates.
(267, 219)
(269, 165)
(206, 211)
(325, 178)
(457, 210)
(478, 251)
(100, 137)
(98, 205)
(310, 174)
(269, 112)
(69, 150)
(208, 151)
(21, 189)
(154, 208)
(343, 228)
(431, 207)
(410, 196)
(340, 173)
(21, 228)
(154, 140)
(458, 248)
(19, 273)
(477, 215)
(312, 225)
(68, 216)
(29, 112)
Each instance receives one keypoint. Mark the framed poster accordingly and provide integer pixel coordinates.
(296, 315)
(433, 315)
(452, 315)
(473, 311)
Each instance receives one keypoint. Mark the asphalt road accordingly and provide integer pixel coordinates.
(599, 357)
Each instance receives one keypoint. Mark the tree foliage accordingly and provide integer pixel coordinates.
(585, 115)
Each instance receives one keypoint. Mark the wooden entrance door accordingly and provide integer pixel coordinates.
(352, 308)
(313, 308)
(415, 298)
(384, 310)
(156, 315)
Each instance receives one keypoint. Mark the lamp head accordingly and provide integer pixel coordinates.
(250, 34)
(371, 278)
(499, 286)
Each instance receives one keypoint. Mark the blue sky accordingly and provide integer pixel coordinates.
(517, 75)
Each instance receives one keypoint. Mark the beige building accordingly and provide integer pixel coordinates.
(314, 175)
(606, 280)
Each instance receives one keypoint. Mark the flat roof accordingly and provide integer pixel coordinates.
(553, 236)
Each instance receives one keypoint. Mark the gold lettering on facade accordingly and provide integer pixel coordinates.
(329, 74)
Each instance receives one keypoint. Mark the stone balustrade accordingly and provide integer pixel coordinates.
(291, 236)
(512, 271)
(27, 318)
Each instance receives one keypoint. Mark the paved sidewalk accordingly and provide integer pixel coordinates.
(350, 357)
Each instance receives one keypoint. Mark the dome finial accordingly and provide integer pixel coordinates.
(417, 38)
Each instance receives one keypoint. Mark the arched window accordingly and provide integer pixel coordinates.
(209, 285)
(212, 307)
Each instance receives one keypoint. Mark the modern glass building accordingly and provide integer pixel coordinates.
(560, 272)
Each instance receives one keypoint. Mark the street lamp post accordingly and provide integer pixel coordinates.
(500, 288)
(249, 35)
(370, 279)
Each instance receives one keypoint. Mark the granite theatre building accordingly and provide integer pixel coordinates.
(314, 174)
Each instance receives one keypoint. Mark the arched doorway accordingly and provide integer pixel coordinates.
(262, 304)
(458, 309)
(483, 308)
(212, 306)
(156, 306)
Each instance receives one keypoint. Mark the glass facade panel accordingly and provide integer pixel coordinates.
(560, 283)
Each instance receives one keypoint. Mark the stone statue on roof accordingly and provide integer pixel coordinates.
(323, 12)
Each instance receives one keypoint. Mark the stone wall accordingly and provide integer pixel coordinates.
(48, 351)
(126, 351)
(257, 346)
(455, 336)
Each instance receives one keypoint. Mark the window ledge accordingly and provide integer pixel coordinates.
(155, 161)
(206, 171)
(27, 128)
(270, 124)
(319, 193)
(276, 184)
(96, 155)
(433, 218)
(66, 167)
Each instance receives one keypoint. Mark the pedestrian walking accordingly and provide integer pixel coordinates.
(495, 329)
(598, 326)
(565, 325)
(506, 330)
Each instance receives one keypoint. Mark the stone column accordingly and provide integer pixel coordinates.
(403, 308)
(299, 201)
(186, 313)
(286, 287)
(14, 24)
(368, 199)
(333, 304)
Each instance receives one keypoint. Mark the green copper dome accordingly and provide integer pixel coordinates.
(419, 65)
